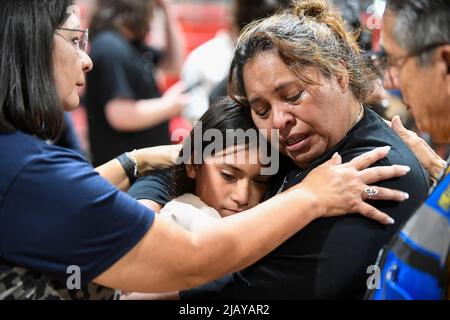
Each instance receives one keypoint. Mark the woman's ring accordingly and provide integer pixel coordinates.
(371, 192)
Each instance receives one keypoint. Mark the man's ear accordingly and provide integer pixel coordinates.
(190, 171)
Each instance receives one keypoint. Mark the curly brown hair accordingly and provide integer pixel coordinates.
(310, 33)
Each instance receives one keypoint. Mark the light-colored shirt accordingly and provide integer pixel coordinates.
(208, 65)
(189, 211)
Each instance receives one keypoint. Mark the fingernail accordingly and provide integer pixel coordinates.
(335, 155)
(390, 221)
(407, 169)
(387, 148)
(406, 195)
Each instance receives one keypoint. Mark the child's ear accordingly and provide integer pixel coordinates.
(190, 171)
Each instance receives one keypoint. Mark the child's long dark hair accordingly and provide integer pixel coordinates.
(223, 115)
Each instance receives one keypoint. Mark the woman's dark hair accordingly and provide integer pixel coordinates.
(310, 33)
(225, 116)
(29, 100)
(246, 11)
(117, 14)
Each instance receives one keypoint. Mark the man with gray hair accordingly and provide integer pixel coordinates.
(416, 38)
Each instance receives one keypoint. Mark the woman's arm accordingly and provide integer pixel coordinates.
(127, 115)
(151, 204)
(170, 258)
(114, 173)
(148, 159)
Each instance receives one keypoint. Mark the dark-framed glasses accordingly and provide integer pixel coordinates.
(393, 65)
(80, 42)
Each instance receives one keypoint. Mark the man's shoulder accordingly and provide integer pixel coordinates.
(220, 43)
(216, 52)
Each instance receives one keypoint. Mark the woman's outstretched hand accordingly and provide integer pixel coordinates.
(156, 158)
(344, 188)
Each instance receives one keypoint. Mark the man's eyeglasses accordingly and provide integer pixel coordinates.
(383, 62)
(80, 42)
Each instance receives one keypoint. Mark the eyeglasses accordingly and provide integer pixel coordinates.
(81, 42)
(384, 62)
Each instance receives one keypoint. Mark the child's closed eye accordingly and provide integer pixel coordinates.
(227, 176)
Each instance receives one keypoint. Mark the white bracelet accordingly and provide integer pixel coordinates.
(131, 156)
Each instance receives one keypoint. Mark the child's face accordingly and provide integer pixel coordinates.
(230, 185)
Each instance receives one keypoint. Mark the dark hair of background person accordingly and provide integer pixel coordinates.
(224, 115)
(28, 96)
(245, 11)
(420, 23)
(133, 15)
(308, 34)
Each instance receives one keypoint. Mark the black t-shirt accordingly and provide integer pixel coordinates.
(329, 258)
(121, 70)
(156, 187)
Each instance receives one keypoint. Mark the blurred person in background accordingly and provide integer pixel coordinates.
(125, 108)
(207, 66)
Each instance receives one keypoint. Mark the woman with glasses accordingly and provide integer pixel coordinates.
(68, 231)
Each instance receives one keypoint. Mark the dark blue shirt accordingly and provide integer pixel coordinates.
(56, 211)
